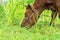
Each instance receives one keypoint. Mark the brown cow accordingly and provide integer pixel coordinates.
(33, 11)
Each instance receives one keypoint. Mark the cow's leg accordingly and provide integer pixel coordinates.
(59, 13)
(53, 16)
(57, 2)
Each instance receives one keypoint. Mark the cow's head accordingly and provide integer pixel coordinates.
(30, 17)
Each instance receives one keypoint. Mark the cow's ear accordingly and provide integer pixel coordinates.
(28, 6)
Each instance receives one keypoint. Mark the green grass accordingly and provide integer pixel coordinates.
(11, 16)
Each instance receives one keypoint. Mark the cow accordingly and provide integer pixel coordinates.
(33, 11)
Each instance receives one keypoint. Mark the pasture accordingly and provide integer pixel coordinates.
(11, 16)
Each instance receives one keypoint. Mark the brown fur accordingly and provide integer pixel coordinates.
(37, 8)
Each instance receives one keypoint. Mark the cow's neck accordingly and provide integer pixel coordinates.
(36, 4)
